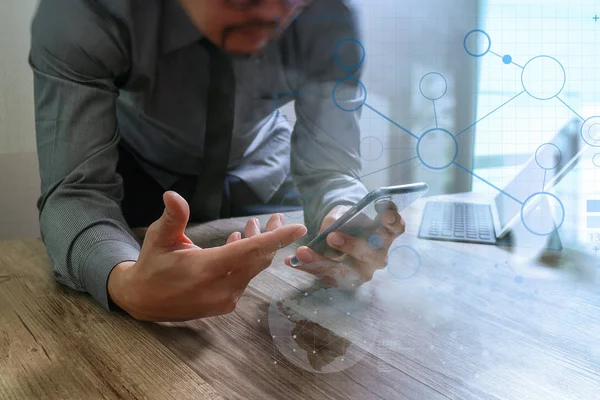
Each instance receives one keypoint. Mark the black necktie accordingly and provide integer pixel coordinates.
(206, 203)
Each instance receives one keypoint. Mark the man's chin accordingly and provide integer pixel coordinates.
(245, 48)
(245, 51)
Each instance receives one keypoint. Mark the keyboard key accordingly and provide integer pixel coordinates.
(461, 221)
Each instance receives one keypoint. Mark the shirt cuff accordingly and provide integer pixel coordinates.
(99, 263)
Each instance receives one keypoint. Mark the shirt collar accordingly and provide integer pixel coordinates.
(178, 29)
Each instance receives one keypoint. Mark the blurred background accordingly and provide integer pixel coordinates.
(404, 40)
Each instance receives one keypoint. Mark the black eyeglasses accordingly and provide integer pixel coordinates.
(247, 4)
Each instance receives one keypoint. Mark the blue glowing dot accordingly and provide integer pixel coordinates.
(507, 59)
(375, 242)
(519, 279)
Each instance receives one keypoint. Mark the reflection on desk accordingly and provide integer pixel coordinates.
(453, 321)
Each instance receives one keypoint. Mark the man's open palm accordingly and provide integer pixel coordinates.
(175, 280)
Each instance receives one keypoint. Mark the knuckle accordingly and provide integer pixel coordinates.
(152, 230)
(227, 304)
(402, 224)
(382, 263)
(230, 305)
(367, 275)
(258, 254)
(253, 251)
(364, 255)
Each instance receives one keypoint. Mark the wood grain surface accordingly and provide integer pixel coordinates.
(453, 321)
(57, 344)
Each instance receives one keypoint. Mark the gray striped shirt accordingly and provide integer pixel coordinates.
(131, 70)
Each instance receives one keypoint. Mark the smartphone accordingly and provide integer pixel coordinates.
(362, 219)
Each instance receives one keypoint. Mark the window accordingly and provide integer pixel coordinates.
(519, 31)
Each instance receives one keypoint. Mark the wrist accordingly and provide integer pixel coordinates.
(117, 287)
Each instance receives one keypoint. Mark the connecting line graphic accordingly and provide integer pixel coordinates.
(488, 114)
(574, 112)
(321, 191)
(407, 173)
(506, 59)
(488, 182)
(544, 184)
(391, 121)
(433, 86)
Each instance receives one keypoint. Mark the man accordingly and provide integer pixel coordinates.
(158, 112)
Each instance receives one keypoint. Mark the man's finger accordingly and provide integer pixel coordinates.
(313, 262)
(252, 228)
(384, 206)
(169, 229)
(276, 221)
(235, 236)
(255, 253)
(357, 248)
(334, 273)
(387, 238)
(333, 216)
(307, 255)
(393, 222)
(321, 269)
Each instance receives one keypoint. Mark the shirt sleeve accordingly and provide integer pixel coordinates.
(76, 56)
(325, 152)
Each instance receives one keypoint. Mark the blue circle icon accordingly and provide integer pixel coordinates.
(478, 32)
(427, 147)
(596, 160)
(544, 223)
(543, 77)
(403, 262)
(507, 59)
(518, 279)
(594, 131)
(590, 131)
(437, 80)
(375, 242)
(371, 148)
(355, 107)
(340, 63)
(552, 157)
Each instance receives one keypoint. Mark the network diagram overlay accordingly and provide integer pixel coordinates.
(294, 334)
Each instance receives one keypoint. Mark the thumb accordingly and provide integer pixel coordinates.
(170, 227)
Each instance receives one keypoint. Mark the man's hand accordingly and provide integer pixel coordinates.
(360, 258)
(175, 280)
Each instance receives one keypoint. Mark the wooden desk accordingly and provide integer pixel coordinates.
(473, 322)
